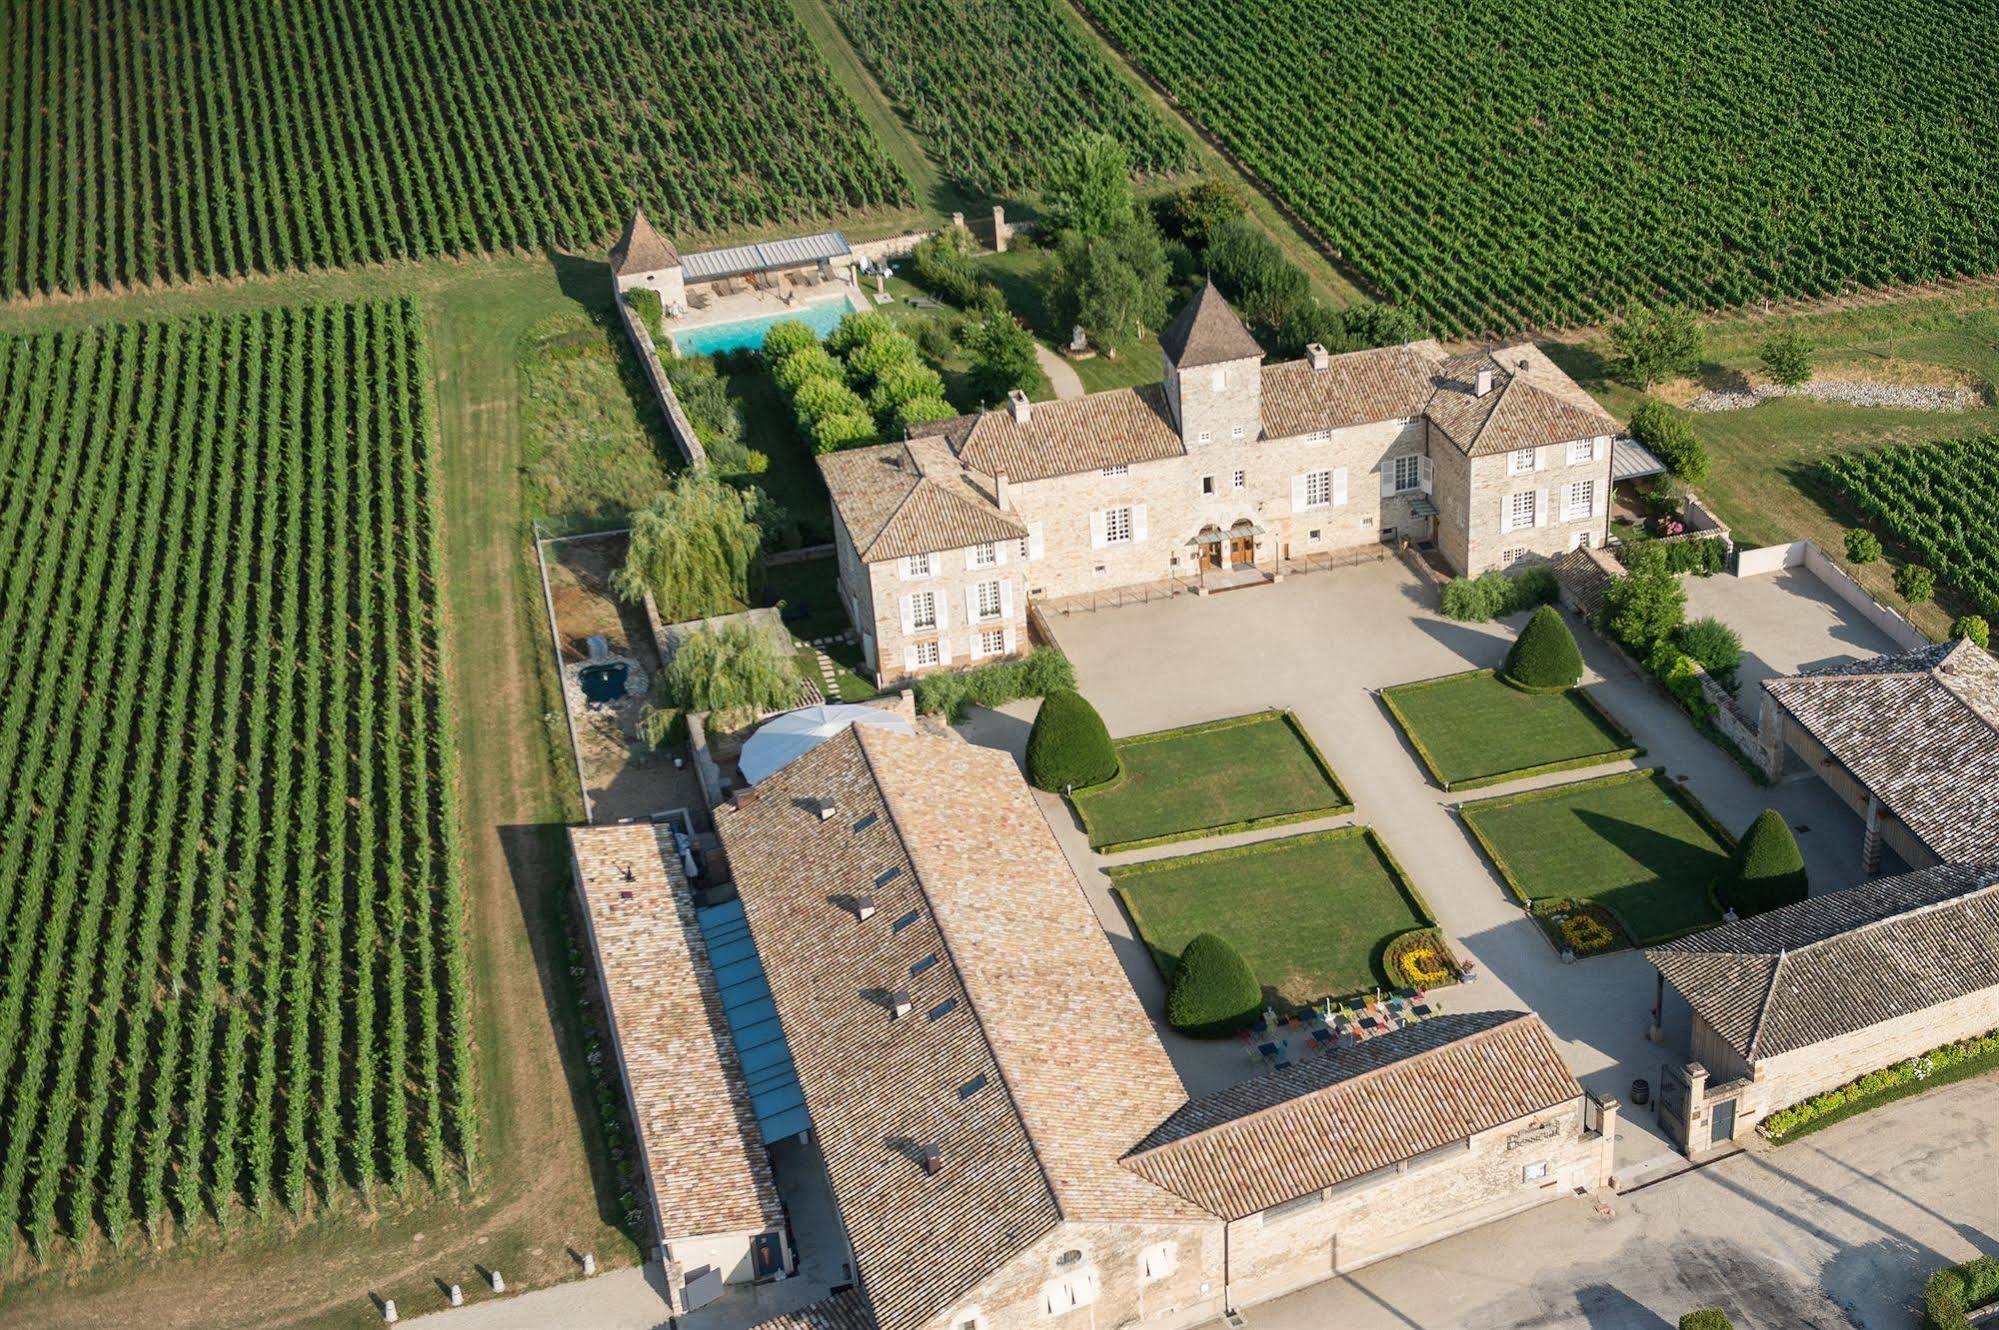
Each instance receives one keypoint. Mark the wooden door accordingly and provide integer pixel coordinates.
(1242, 550)
(1211, 555)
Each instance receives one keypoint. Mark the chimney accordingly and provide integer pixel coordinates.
(1319, 355)
(933, 1160)
(999, 491)
(898, 1005)
(743, 797)
(1018, 406)
(826, 810)
(864, 906)
(1484, 381)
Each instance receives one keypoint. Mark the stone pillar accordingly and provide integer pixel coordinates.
(1001, 231)
(1870, 840)
(1699, 1132)
(957, 219)
(1770, 738)
(1607, 1161)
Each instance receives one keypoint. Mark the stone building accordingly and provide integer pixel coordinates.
(1776, 1008)
(644, 257)
(1227, 472)
(1006, 1141)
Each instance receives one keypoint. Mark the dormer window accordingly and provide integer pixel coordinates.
(1207, 437)
(1236, 433)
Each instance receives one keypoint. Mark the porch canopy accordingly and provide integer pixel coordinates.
(1632, 460)
(739, 260)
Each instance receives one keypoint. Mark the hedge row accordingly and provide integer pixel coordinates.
(1967, 1057)
(1958, 1290)
(1037, 674)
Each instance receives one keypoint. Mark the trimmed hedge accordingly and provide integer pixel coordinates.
(1939, 1066)
(1214, 993)
(1707, 1318)
(645, 303)
(1768, 869)
(1545, 656)
(1495, 594)
(1955, 1291)
(1037, 674)
(1069, 746)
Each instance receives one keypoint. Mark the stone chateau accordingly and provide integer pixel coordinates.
(1225, 473)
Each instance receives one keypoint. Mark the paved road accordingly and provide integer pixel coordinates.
(1836, 1229)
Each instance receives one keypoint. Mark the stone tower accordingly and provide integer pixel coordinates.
(1213, 380)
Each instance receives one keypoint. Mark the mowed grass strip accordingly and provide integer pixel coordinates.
(1634, 842)
(1476, 729)
(1311, 914)
(1225, 775)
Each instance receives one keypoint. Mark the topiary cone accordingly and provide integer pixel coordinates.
(1069, 745)
(1214, 992)
(1545, 655)
(1768, 870)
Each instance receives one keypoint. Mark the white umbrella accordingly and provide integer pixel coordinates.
(797, 733)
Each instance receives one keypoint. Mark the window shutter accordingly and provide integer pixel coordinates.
(1425, 474)
(1387, 479)
(1009, 641)
(971, 556)
(1137, 522)
(1505, 514)
(1339, 486)
(943, 610)
(1034, 540)
(972, 603)
(1006, 599)
(909, 660)
(943, 650)
(908, 614)
(1541, 456)
(1540, 507)
(999, 552)
(1596, 497)
(902, 567)
(1297, 494)
(1097, 529)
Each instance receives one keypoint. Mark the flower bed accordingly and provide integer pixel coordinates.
(1421, 959)
(1939, 1066)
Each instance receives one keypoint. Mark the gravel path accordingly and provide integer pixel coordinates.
(1908, 398)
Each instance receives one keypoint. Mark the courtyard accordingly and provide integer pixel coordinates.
(1789, 620)
(1475, 729)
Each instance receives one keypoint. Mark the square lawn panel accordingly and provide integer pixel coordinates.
(1310, 913)
(1248, 771)
(1476, 729)
(1634, 842)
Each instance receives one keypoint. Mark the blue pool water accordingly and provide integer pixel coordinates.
(715, 337)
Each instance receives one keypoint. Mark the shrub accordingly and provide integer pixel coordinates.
(817, 398)
(1069, 746)
(1786, 357)
(1654, 342)
(1545, 656)
(1002, 356)
(786, 337)
(1642, 608)
(856, 328)
(1669, 435)
(897, 384)
(1042, 671)
(842, 429)
(920, 410)
(1707, 1318)
(880, 356)
(942, 266)
(1681, 675)
(737, 667)
(1973, 628)
(1195, 210)
(1419, 959)
(1957, 1290)
(1862, 545)
(1711, 642)
(1915, 583)
(1767, 869)
(802, 366)
(1495, 594)
(645, 303)
(1214, 993)
(1704, 557)
(1966, 1057)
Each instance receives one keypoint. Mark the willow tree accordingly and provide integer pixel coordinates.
(696, 547)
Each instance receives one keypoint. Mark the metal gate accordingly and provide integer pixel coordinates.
(1674, 1093)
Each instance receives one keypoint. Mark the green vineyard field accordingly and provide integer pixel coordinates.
(991, 87)
(1512, 164)
(231, 969)
(145, 141)
(1938, 499)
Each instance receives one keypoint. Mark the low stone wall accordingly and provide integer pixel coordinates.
(705, 768)
(677, 423)
(1806, 554)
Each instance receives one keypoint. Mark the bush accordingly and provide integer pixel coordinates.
(1957, 1290)
(1669, 435)
(1973, 628)
(1966, 1057)
(818, 398)
(1707, 1318)
(1915, 583)
(801, 366)
(645, 303)
(1214, 993)
(1681, 675)
(1642, 608)
(1711, 642)
(920, 411)
(1704, 557)
(1195, 210)
(1002, 357)
(1862, 546)
(1042, 671)
(787, 336)
(881, 357)
(1545, 656)
(1786, 357)
(1495, 594)
(1654, 342)
(856, 328)
(1069, 748)
(842, 429)
(942, 265)
(737, 667)
(1767, 869)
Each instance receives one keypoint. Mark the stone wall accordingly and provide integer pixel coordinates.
(678, 425)
(1110, 1257)
(950, 580)
(1806, 554)
(1490, 487)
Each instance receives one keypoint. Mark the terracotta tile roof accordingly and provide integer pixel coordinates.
(1921, 731)
(1841, 962)
(703, 1155)
(1117, 427)
(911, 498)
(1278, 1137)
(841, 1311)
(980, 922)
(1358, 388)
(1531, 403)
(641, 248)
(1207, 331)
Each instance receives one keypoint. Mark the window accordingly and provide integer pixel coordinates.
(926, 652)
(1520, 462)
(1582, 498)
(923, 610)
(1512, 556)
(1535, 1171)
(1318, 489)
(1207, 436)
(1583, 539)
(1117, 526)
(992, 642)
(1114, 469)
(1520, 510)
(1236, 433)
(1322, 436)
(1221, 379)
(986, 555)
(1158, 1262)
(1317, 535)
(1062, 1296)
(1023, 549)
(923, 965)
(972, 1087)
(916, 565)
(942, 1009)
(904, 922)
(1074, 1256)
(1582, 450)
(988, 602)
(1241, 479)
(1408, 473)
(1207, 484)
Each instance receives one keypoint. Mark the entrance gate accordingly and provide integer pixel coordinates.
(1674, 1095)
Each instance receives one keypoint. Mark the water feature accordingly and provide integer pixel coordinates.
(707, 339)
(603, 683)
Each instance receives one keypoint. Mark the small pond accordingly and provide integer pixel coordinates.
(603, 683)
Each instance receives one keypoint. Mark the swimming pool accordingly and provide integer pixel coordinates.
(706, 341)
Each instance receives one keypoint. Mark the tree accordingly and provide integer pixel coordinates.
(921, 411)
(1214, 993)
(1786, 357)
(1653, 342)
(1379, 325)
(1862, 545)
(1972, 628)
(1707, 1318)
(1112, 284)
(696, 547)
(857, 327)
(1767, 869)
(1915, 583)
(1194, 211)
(870, 360)
(812, 362)
(842, 429)
(818, 398)
(1247, 266)
(1068, 746)
(1642, 608)
(787, 336)
(1086, 184)
(1545, 657)
(1669, 434)
(1002, 356)
(1713, 643)
(897, 384)
(737, 667)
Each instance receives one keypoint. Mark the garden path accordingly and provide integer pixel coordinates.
(1062, 376)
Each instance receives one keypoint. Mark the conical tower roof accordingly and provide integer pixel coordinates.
(642, 248)
(1207, 332)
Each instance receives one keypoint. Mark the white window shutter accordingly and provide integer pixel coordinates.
(909, 659)
(1596, 498)
(943, 610)
(909, 614)
(1137, 522)
(1541, 456)
(902, 567)
(1426, 474)
(971, 556)
(1297, 494)
(943, 651)
(999, 552)
(1009, 641)
(1097, 529)
(1006, 599)
(1505, 514)
(1387, 479)
(972, 604)
(1034, 549)
(1540, 507)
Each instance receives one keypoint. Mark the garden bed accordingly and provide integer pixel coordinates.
(1476, 729)
(1633, 843)
(1204, 780)
(1313, 915)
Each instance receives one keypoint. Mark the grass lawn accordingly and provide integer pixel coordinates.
(1475, 729)
(1634, 843)
(1311, 914)
(1226, 775)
